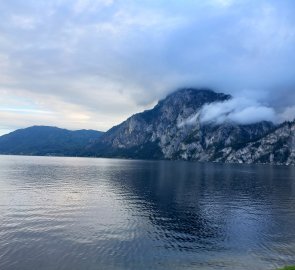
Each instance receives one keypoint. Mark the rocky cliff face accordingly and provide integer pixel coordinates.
(209, 142)
(173, 130)
(156, 133)
(277, 147)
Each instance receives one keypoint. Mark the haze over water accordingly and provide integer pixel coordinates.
(82, 213)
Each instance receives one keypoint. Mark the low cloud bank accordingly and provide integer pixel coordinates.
(241, 111)
(238, 110)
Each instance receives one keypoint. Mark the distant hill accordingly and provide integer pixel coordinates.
(45, 140)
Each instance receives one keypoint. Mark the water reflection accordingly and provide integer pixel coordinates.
(74, 213)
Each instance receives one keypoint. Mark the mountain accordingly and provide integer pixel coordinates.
(44, 140)
(172, 130)
(277, 147)
(153, 133)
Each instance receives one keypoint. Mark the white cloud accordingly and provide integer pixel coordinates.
(238, 110)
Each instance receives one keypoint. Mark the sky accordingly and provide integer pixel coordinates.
(92, 63)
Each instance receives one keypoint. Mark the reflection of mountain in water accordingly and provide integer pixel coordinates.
(200, 205)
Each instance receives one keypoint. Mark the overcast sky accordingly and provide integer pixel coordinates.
(91, 64)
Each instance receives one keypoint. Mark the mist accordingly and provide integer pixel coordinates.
(238, 110)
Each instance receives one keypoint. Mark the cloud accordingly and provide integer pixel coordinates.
(32, 109)
(238, 110)
(110, 59)
(82, 6)
(288, 114)
(23, 22)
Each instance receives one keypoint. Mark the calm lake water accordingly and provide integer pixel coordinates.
(82, 213)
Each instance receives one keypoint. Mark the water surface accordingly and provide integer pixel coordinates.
(81, 213)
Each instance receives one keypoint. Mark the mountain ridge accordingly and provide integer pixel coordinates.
(172, 129)
(46, 140)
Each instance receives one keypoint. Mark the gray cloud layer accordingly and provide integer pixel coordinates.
(90, 64)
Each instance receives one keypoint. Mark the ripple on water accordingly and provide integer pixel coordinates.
(75, 213)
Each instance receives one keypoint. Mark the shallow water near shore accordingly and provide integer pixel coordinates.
(84, 213)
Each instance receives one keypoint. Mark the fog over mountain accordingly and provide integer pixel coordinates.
(91, 64)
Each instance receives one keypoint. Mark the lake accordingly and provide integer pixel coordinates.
(84, 213)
